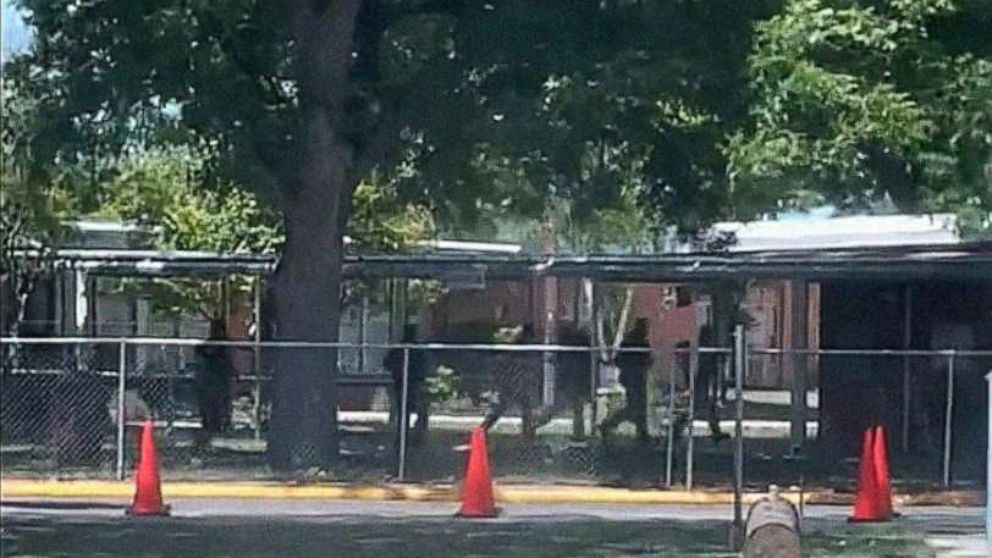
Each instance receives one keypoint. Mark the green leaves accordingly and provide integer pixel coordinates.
(173, 191)
(858, 101)
(382, 222)
(170, 189)
(583, 104)
(29, 210)
(480, 112)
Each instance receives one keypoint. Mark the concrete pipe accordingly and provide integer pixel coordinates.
(772, 528)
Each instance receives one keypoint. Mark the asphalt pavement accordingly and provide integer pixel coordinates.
(263, 527)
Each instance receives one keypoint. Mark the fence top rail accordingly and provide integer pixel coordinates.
(249, 344)
(874, 352)
(490, 347)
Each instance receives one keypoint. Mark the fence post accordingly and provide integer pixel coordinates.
(740, 362)
(121, 419)
(906, 386)
(404, 417)
(670, 442)
(948, 419)
(907, 343)
(256, 407)
(363, 333)
(690, 436)
(796, 358)
(593, 384)
(988, 468)
(594, 359)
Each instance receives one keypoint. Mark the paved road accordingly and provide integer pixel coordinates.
(940, 516)
(264, 528)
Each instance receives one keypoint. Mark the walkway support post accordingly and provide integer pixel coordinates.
(740, 365)
(404, 415)
(988, 470)
(121, 419)
(949, 420)
(690, 435)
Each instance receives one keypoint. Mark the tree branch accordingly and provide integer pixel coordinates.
(380, 146)
(324, 34)
(258, 173)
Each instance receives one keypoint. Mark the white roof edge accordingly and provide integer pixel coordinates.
(96, 225)
(844, 232)
(471, 246)
(462, 246)
(153, 254)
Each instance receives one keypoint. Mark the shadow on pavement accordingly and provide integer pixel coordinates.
(60, 505)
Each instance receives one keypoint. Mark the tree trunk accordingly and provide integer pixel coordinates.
(306, 306)
(307, 284)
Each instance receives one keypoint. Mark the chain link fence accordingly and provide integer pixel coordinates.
(55, 407)
(562, 414)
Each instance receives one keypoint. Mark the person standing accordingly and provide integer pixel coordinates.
(416, 402)
(633, 361)
(213, 386)
(517, 378)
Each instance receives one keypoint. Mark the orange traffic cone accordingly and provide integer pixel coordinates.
(477, 491)
(880, 457)
(867, 504)
(147, 486)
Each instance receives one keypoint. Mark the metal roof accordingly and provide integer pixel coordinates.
(965, 261)
(852, 231)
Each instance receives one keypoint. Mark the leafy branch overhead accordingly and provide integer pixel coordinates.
(859, 101)
(31, 206)
(173, 192)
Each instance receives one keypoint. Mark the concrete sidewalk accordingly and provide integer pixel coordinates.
(816, 516)
(511, 425)
(276, 528)
(960, 546)
(957, 535)
(330, 510)
(309, 527)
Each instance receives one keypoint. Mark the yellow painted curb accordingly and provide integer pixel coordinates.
(114, 489)
(511, 494)
(959, 498)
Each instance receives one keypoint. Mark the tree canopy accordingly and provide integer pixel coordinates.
(176, 193)
(488, 110)
(856, 101)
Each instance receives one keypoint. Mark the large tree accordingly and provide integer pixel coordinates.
(475, 104)
(298, 99)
